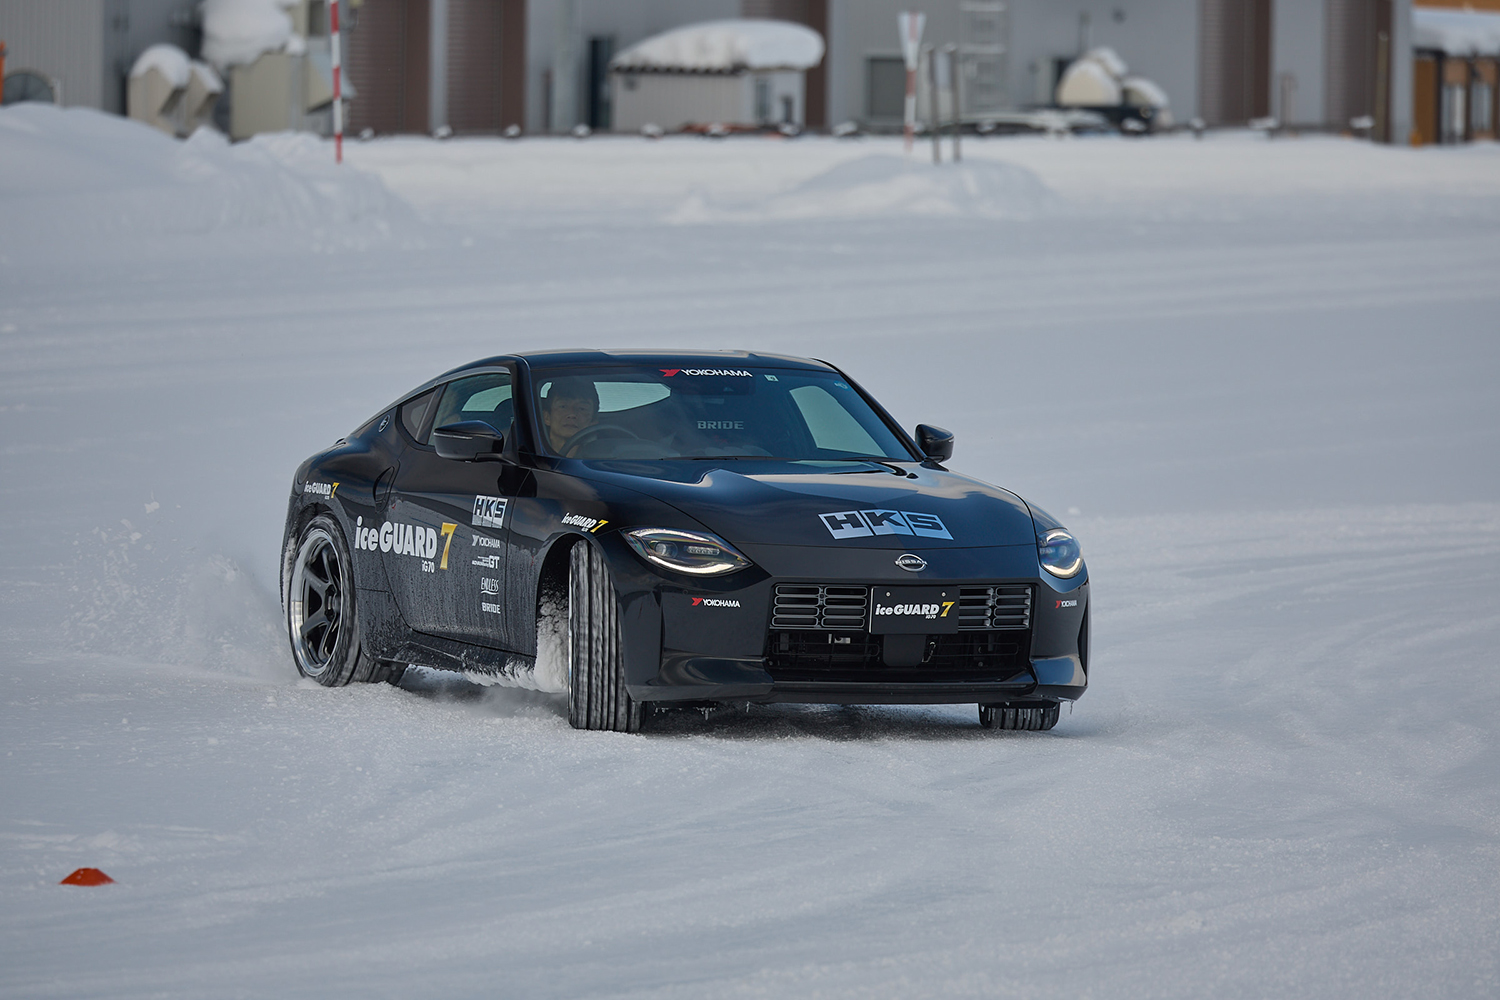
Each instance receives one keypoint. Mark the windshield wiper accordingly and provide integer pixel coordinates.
(884, 463)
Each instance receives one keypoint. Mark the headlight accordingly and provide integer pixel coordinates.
(694, 552)
(1059, 553)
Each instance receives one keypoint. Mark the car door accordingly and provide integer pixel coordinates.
(446, 560)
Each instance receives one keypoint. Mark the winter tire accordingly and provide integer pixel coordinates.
(597, 698)
(318, 584)
(1035, 718)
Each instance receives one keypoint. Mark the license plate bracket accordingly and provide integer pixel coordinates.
(913, 610)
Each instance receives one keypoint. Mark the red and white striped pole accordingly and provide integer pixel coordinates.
(910, 25)
(338, 88)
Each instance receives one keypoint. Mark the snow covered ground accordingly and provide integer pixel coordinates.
(1258, 378)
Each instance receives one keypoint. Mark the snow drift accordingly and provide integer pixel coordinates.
(878, 186)
(69, 172)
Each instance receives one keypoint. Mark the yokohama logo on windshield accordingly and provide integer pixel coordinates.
(669, 372)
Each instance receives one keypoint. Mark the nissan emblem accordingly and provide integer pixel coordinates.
(911, 561)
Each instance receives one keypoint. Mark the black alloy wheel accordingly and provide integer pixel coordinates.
(320, 608)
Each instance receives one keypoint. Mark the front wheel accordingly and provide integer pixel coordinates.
(318, 584)
(597, 698)
(1035, 718)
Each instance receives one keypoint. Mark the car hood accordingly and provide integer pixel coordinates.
(862, 505)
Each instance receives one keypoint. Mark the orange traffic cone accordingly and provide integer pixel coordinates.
(87, 876)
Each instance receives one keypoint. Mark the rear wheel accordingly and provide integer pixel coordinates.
(597, 698)
(321, 612)
(1035, 718)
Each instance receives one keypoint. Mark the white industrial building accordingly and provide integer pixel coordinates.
(481, 66)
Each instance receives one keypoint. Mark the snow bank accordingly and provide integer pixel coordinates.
(169, 60)
(69, 171)
(882, 186)
(236, 32)
(1456, 32)
(725, 46)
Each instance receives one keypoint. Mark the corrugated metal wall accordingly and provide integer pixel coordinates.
(389, 64)
(62, 39)
(1352, 68)
(1234, 60)
(814, 14)
(473, 78)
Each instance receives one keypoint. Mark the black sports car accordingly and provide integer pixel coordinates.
(650, 529)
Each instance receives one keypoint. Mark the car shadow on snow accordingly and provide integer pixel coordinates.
(741, 721)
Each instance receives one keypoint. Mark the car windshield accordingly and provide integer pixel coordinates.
(717, 413)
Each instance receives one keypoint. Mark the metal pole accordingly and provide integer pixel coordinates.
(2, 71)
(956, 88)
(338, 86)
(1383, 88)
(910, 29)
(934, 124)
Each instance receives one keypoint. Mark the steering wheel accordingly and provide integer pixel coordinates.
(589, 434)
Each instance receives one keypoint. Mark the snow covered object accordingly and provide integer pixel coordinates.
(729, 73)
(1100, 81)
(649, 529)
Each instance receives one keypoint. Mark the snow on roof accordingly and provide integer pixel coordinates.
(237, 32)
(725, 47)
(168, 60)
(207, 78)
(1456, 32)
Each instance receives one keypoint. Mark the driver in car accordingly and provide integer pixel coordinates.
(570, 406)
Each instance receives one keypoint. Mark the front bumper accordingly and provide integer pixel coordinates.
(713, 641)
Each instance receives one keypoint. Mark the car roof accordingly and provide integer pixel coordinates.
(651, 358)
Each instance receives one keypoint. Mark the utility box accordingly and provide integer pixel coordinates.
(283, 91)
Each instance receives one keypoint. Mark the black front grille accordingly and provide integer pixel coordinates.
(1003, 606)
(819, 606)
(840, 607)
(854, 657)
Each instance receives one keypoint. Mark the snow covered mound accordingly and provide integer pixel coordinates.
(881, 186)
(69, 172)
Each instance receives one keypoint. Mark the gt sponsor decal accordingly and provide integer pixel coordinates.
(669, 372)
(845, 524)
(589, 524)
(485, 562)
(1068, 604)
(721, 425)
(489, 512)
(714, 602)
(404, 539)
(320, 489)
(939, 610)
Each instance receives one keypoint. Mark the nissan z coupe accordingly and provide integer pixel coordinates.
(651, 530)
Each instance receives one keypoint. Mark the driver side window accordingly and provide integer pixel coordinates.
(487, 398)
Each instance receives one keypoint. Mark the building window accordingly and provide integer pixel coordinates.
(762, 100)
(1454, 117)
(885, 87)
(1481, 107)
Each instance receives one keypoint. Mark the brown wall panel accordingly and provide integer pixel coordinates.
(1424, 101)
(512, 63)
(388, 65)
(474, 64)
(1234, 60)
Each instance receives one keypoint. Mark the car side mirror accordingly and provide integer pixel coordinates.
(936, 443)
(468, 441)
